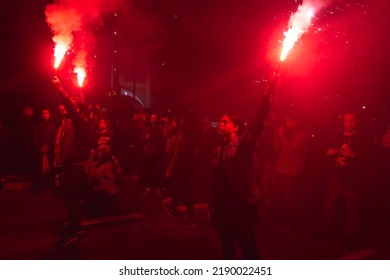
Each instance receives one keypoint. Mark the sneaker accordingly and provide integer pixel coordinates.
(168, 200)
(189, 223)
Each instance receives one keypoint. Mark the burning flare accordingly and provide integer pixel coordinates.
(67, 18)
(299, 23)
(59, 51)
(81, 74)
(80, 63)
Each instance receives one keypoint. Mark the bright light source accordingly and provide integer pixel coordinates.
(299, 23)
(81, 74)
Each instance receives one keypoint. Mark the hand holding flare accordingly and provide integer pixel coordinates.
(57, 83)
(271, 83)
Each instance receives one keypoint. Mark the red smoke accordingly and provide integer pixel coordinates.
(69, 18)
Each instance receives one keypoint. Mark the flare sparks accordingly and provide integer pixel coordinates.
(299, 23)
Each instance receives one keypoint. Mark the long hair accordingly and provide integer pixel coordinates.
(237, 121)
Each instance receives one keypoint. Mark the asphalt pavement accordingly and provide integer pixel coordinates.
(30, 224)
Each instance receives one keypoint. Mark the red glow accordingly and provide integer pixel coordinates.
(81, 74)
(67, 18)
(63, 22)
(80, 63)
(299, 23)
(59, 52)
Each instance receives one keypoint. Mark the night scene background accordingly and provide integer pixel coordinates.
(209, 55)
(204, 56)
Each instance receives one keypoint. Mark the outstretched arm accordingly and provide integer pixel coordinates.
(65, 99)
(78, 121)
(256, 125)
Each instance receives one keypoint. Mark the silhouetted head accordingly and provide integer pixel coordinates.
(78, 103)
(230, 124)
(349, 122)
(45, 114)
(28, 111)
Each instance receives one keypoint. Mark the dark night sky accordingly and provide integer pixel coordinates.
(214, 51)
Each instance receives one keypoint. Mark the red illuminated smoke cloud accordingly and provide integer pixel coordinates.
(68, 17)
(300, 22)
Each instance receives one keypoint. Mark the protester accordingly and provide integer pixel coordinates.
(44, 135)
(102, 199)
(70, 155)
(234, 193)
(153, 155)
(181, 167)
(349, 153)
(25, 149)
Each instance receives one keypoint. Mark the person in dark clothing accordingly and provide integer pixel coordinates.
(181, 167)
(44, 135)
(205, 148)
(291, 141)
(140, 120)
(103, 197)
(234, 191)
(100, 134)
(349, 153)
(25, 151)
(169, 126)
(153, 154)
(208, 141)
(70, 155)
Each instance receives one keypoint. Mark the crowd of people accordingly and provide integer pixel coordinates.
(179, 155)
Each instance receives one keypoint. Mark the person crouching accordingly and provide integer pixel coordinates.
(102, 198)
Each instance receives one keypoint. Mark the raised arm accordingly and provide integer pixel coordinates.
(65, 100)
(80, 124)
(256, 125)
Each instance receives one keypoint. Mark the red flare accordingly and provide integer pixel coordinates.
(81, 75)
(59, 52)
(299, 23)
